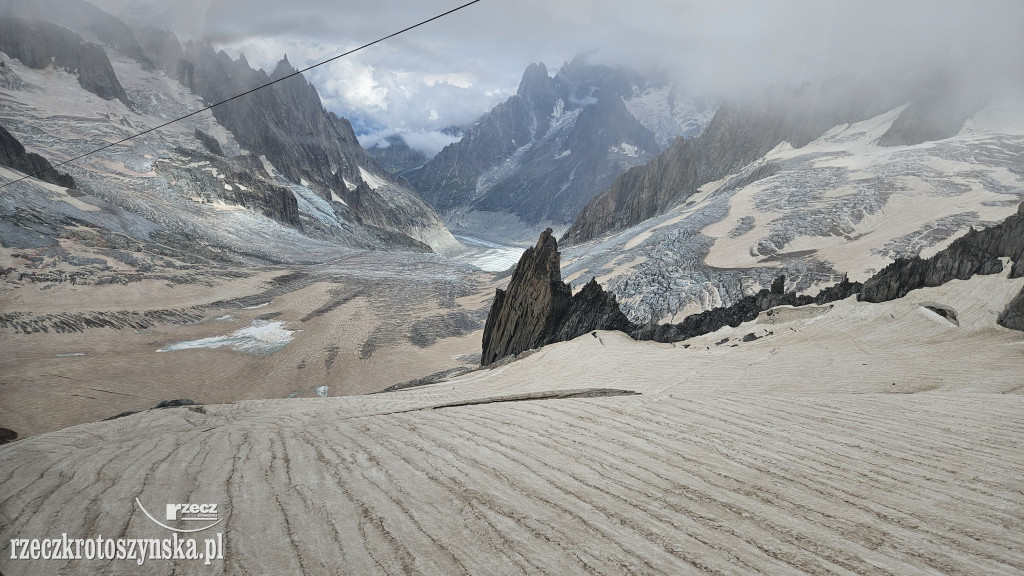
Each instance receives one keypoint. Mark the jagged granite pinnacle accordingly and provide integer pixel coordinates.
(538, 308)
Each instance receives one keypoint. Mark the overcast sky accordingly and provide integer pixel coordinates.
(453, 70)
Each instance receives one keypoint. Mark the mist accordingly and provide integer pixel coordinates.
(451, 71)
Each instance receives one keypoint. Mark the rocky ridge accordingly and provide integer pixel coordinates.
(93, 23)
(342, 192)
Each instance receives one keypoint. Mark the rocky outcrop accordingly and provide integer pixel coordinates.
(744, 310)
(592, 308)
(977, 252)
(209, 142)
(40, 44)
(96, 75)
(242, 181)
(526, 314)
(538, 308)
(1013, 316)
(13, 155)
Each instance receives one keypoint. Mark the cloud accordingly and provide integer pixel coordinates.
(453, 70)
(430, 142)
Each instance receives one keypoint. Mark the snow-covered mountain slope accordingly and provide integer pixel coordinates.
(838, 205)
(163, 175)
(166, 178)
(780, 455)
(536, 159)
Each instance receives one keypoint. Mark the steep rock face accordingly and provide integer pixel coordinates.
(287, 124)
(96, 75)
(736, 136)
(557, 176)
(525, 314)
(13, 155)
(592, 308)
(544, 152)
(163, 48)
(538, 308)
(39, 44)
(91, 22)
(449, 179)
(1013, 316)
(209, 142)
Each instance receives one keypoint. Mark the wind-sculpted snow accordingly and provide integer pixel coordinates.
(776, 455)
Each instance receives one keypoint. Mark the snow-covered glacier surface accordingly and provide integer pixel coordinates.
(840, 205)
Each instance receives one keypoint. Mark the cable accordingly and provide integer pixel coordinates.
(155, 128)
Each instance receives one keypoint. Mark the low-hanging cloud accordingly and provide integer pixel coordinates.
(451, 71)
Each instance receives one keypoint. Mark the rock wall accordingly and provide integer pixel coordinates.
(92, 23)
(287, 123)
(40, 44)
(13, 155)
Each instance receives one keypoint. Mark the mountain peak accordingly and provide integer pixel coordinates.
(535, 78)
(283, 68)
